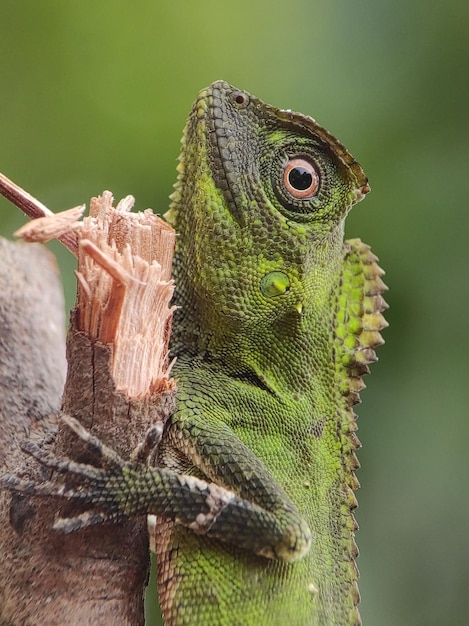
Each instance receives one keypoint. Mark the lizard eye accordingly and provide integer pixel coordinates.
(301, 179)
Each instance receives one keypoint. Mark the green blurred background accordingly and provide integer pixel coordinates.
(94, 95)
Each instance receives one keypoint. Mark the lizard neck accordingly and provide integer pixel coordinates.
(280, 346)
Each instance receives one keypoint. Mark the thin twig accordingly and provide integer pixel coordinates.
(33, 208)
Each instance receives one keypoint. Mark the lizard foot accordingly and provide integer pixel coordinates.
(97, 487)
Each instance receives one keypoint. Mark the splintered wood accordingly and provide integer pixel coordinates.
(124, 291)
(43, 229)
(117, 384)
(40, 229)
(124, 285)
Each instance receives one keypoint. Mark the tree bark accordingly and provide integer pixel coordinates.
(117, 386)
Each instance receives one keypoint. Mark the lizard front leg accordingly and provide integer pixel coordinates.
(260, 518)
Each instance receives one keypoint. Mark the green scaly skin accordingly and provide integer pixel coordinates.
(277, 323)
(275, 373)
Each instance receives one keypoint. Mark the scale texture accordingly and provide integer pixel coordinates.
(278, 321)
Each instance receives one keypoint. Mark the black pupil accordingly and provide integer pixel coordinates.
(300, 178)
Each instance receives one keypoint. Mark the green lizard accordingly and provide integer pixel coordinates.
(277, 323)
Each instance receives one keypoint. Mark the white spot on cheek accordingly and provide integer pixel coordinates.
(312, 588)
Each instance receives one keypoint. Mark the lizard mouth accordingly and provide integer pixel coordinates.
(206, 130)
(216, 109)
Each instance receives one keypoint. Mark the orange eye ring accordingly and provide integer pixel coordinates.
(301, 179)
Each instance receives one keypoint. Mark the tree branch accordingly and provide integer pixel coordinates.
(33, 208)
(117, 385)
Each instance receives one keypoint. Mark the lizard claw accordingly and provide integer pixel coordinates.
(82, 483)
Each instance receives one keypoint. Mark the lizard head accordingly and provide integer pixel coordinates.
(259, 205)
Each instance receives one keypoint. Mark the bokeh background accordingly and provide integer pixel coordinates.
(94, 95)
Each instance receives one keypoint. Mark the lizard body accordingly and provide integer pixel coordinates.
(277, 323)
(277, 320)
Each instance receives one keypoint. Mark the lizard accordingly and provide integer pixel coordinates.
(277, 323)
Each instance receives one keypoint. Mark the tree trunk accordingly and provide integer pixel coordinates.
(117, 385)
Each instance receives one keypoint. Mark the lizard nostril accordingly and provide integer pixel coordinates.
(240, 98)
